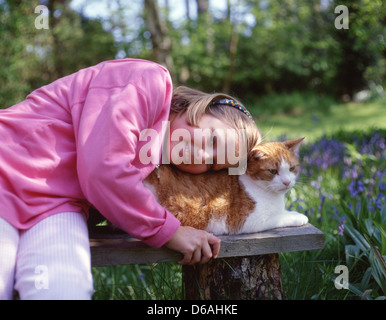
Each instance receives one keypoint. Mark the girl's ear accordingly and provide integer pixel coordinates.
(293, 145)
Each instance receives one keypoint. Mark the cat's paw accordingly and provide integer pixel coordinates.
(299, 219)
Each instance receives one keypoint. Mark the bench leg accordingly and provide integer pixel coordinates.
(245, 278)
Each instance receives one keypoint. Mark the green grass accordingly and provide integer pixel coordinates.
(138, 282)
(312, 124)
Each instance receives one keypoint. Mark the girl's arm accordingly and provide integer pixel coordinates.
(120, 102)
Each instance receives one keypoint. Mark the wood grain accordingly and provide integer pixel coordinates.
(117, 248)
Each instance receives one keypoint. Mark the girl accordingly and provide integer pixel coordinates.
(74, 144)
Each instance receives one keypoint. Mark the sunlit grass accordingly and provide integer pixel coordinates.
(313, 124)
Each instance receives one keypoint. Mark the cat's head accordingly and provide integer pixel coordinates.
(274, 165)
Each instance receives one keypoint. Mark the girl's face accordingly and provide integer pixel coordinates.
(199, 149)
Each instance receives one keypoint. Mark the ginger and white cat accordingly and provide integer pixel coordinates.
(224, 204)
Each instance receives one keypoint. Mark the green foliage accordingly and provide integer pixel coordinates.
(278, 46)
(31, 57)
(150, 281)
(290, 46)
(17, 64)
(365, 247)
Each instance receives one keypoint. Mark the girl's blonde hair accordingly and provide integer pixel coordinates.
(196, 103)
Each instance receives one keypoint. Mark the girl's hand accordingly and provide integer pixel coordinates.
(197, 246)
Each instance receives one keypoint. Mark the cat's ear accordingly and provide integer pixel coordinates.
(293, 145)
(257, 154)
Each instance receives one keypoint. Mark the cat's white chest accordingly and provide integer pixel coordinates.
(268, 205)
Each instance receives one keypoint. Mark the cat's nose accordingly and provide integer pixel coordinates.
(286, 183)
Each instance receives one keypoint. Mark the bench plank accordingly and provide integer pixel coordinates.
(119, 248)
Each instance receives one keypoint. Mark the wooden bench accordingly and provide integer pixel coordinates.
(247, 266)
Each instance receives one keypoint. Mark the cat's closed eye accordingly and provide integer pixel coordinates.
(273, 171)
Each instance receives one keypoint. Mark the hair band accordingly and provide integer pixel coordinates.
(232, 103)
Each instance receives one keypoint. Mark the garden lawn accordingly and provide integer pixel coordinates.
(313, 124)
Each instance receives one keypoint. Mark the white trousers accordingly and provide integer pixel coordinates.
(51, 260)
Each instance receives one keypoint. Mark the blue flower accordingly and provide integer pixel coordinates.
(323, 199)
(360, 186)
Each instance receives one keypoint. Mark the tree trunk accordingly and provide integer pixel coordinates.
(232, 58)
(232, 47)
(202, 6)
(238, 278)
(159, 36)
(204, 17)
(57, 46)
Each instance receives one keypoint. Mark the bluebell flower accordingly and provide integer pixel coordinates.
(323, 199)
(360, 186)
(341, 226)
(341, 229)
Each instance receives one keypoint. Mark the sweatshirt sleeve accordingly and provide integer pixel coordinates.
(121, 101)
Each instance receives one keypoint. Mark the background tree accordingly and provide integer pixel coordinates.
(159, 36)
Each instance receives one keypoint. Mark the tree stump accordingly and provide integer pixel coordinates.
(235, 278)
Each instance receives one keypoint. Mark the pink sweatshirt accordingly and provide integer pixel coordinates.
(75, 142)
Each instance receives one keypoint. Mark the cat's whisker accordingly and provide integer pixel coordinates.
(303, 178)
(300, 183)
(298, 187)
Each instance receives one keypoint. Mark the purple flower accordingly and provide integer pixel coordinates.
(341, 229)
(341, 226)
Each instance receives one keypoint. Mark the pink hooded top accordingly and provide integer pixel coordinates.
(75, 142)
